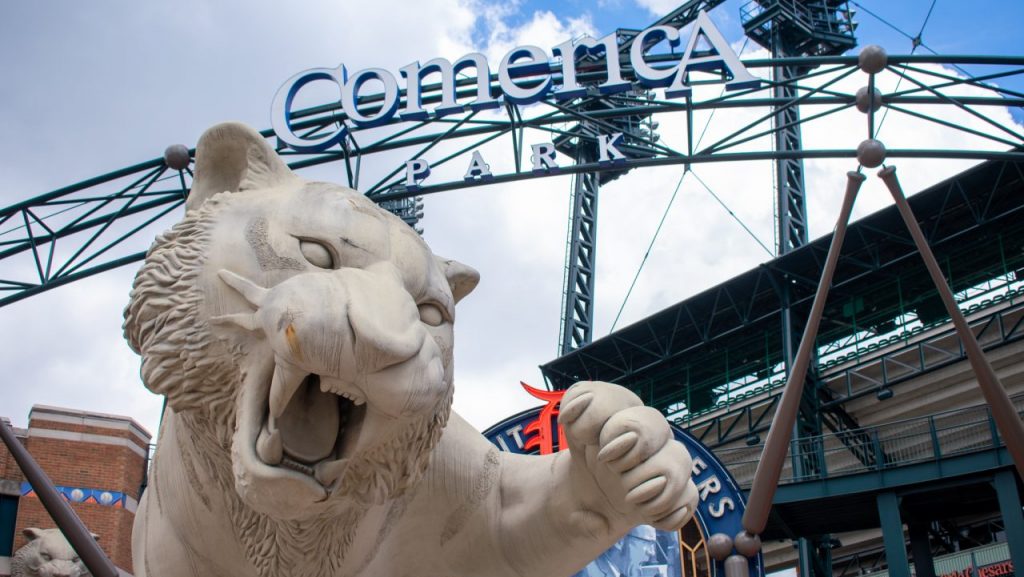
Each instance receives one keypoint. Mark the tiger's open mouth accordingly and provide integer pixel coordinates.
(310, 425)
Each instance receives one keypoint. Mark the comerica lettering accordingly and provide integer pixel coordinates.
(525, 75)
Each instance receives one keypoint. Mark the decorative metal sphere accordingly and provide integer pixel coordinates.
(872, 59)
(865, 102)
(871, 153)
(176, 156)
(736, 566)
(719, 546)
(746, 544)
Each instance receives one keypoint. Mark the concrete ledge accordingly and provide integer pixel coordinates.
(87, 438)
(10, 487)
(90, 419)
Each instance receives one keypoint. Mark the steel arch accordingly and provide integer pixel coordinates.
(93, 226)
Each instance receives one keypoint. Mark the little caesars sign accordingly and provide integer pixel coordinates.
(525, 75)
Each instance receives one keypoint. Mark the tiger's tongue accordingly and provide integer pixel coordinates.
(310, 423)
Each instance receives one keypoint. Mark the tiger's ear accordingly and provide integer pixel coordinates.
(233, 157)
(32, 533)
(461, 278)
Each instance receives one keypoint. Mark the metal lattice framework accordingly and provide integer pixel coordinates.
(722, 346)
(581, 253)
(103, 222)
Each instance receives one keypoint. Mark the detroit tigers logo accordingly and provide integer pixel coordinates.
(544, 433)
(644, 551)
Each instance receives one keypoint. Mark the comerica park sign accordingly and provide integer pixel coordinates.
(526, 75)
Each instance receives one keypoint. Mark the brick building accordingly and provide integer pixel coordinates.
(97, 461)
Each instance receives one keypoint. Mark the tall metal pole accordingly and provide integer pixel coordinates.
(792, 29)
(1005, 414)
(581, 261)
(766, 478)
(577, 327)
(791, 201)
(789, 172)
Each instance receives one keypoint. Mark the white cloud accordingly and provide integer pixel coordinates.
(658, 7)
(63, 348)
(544, 29)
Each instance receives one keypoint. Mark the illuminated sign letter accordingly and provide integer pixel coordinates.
(478, 168)
(720, 57)
(534, 67)
(526, 75)
(719, 509)
(350, 97)
(650, 76)
(544, 157)
(568, 51)
(606, 147)
(416, 171)
(414, 74)
(281, 110)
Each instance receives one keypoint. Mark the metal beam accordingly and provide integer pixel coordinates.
(577, 322)
(577, 328)
(89, 214)
(892, 534)
(1010, 507)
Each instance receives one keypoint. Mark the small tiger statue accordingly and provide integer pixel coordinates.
(47, 554)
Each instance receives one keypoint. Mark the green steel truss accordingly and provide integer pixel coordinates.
(107, 221)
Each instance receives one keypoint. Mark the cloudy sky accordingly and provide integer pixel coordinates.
(92, 87)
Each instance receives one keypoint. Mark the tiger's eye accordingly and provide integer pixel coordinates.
(316, 254)
(431, 314)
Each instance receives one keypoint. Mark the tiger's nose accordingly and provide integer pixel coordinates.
(344, 321)
(383, 317)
